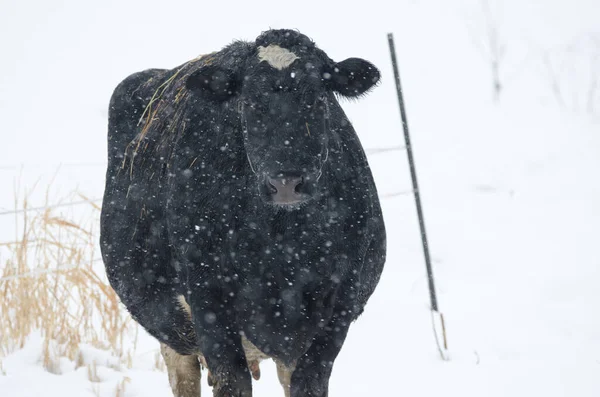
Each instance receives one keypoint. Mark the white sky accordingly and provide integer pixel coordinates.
(62, 59)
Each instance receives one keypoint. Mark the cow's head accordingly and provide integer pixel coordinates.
(283, 93)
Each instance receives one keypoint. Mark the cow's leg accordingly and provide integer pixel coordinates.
(226, 361)
(184, 372)
(284, 373)
(311, 375)
(221, 344)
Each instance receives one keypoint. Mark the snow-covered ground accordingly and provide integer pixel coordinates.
(511, 192)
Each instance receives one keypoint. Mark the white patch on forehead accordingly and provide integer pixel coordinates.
(279, 58)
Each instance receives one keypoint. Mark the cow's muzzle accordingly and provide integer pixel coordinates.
(289, 188)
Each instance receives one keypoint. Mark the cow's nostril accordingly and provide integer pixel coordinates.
(298, 188)
(272, 188)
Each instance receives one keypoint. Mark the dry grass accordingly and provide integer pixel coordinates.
(52, 281)
(93, 373)
(120, 389)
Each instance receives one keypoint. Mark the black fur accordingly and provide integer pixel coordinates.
(214, 83)
(186, 212)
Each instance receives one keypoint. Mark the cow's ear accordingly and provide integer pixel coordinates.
(213, 82)
(352, 77)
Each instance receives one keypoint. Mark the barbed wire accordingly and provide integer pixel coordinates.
(45, 207)
(396, 194)
(98, 200)
(13, 167)
(36, 273)
(370, 151)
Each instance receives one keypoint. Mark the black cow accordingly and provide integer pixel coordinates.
(240, 219)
